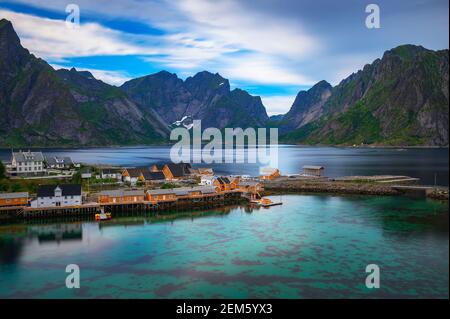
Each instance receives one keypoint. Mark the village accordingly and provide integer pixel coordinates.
(101, 189)
(65, 188)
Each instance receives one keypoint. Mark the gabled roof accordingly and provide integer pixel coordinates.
(55, 160)
(153, 176)
(205, 171)
(179, 169)
(13, 195)
(183, 191)
(122, 193)
(223, 180)
(269, 170)
(28, 156)
(248, 183)
(135, 172)
(111, 170)
(67, 190)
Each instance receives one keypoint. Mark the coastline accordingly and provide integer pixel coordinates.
(348, 188)
(68, 147)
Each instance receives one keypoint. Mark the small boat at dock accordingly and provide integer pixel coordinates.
(102, 215)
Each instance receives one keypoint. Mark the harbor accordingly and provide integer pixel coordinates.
(91, 189)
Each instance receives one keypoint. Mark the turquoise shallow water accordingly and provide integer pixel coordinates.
(310, 247)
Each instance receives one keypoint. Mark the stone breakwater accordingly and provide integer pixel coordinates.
(335, 187)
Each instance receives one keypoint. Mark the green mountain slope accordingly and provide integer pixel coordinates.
(401, 99)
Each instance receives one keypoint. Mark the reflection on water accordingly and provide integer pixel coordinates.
(426, 164)
(310, 247)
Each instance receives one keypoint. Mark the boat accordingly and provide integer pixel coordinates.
(103, 216)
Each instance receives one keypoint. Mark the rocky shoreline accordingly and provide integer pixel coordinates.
(342, 188)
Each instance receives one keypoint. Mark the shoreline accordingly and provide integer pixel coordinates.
(8, 148)
(350, 188)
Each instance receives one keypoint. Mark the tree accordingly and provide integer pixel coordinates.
(2, 170)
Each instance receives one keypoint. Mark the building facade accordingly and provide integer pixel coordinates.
(27, 163)
(58, 196)
(13, 199)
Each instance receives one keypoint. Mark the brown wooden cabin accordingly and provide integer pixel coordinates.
(225, 184)
(270, 173)
(312, 170)
(121, 196)
(13, 199)
(173, 171)
(165, 195)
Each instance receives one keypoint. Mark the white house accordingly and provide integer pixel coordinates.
(59, 162)
(27, 163)
(58, 196)
(111, 173)
(207, 180)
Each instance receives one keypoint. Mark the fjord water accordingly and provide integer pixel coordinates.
(426, 164)
(312, 246)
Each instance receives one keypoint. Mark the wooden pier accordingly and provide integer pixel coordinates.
(90, 209)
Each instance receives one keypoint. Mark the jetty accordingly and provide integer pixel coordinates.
(355, 185)
(142, 204)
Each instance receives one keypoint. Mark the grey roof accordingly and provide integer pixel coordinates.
(312, 167)
(182, 191)
(248, 183)
(122, 192)
(13, 195)
(136, 171)
(111, 171)
(179, 169)
(55, 160)
(153, 176)
(67, 190)
(28, 156)
(223, 180)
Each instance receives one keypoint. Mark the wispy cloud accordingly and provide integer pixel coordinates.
(116, 78)
(50, 38)
(260, 43)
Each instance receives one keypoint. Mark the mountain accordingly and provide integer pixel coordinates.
(205, 96)
(44, 107)
(307, 107)
(400, 99)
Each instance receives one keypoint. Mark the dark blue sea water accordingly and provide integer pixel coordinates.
(429, 165)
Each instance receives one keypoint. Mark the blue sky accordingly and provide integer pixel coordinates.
(269, 48)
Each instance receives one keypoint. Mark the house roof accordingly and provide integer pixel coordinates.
(179, 169)
(248, 183)
(135, 172)
(153, 176)
(182, 191)
(55, 160)
(205, 171)
(67, 190)
(28, 156)
(13, 195)
(223, 180)
(111, 170)
(122, 193)
(269, 170)
(312, 167)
